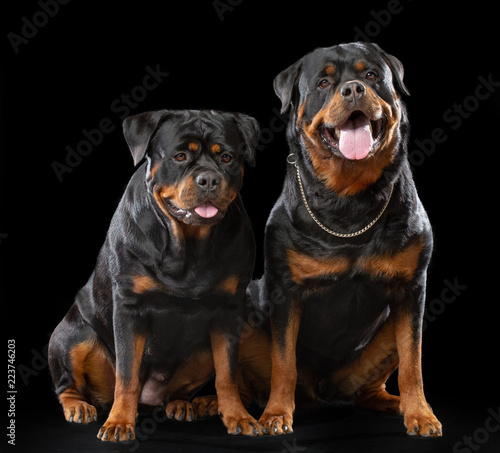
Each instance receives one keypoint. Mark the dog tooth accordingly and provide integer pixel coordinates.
(337, 132)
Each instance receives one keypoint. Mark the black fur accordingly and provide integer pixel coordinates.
(340, 312)
(182, 297)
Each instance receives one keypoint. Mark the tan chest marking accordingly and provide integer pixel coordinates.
(396, 265)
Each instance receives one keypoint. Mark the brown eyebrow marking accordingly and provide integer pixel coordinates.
(330, 69)
(360, 66)
(215, 148)
(193, 146)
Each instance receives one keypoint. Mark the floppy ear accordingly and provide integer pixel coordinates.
(396, 69)
(249, 128)
(139, 129)
(285, 83)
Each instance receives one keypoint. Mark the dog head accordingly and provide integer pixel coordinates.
(195, 159)
(347, 110)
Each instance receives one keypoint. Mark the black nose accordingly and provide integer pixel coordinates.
(353, 91)
(208, 180)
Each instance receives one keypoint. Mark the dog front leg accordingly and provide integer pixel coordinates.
(418, 416)
(231, 410)
(278, 414)
(129, 346)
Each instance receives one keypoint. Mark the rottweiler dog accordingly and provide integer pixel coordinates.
(347, 248)
(159, 313)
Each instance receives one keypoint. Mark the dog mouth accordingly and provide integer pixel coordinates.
(205, 213)
(355, 138)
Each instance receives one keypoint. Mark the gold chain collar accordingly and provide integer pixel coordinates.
(333, 233)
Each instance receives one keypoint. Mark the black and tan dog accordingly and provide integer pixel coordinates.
(157, 316)
(347, 248)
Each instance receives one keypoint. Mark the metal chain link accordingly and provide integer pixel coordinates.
(333, 233)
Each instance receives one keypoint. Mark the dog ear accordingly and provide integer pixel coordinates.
(285, 84)
(250, 130)
(139, 129)
(396, 69)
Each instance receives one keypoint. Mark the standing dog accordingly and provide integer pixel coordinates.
(347, 248)
(158, 314)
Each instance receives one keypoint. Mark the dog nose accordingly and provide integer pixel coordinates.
(208, 180)
(353, 91)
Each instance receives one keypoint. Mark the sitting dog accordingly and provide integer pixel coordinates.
(158, 314)
(346, 251)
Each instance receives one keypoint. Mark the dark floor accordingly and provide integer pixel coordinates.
(468, 427)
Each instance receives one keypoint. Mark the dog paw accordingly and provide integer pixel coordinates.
(80, 412)
(181, 411)
(424, 424)
(206, 406)
(116, 432)
(277, 424)
(246, 426)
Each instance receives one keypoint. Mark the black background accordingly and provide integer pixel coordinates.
(66, 78)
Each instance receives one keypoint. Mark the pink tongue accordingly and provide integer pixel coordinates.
(206, 210)
(355, 138)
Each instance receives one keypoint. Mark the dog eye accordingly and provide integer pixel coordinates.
(370, 75)
(226, 158)
(179, 157)
(324, 83)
